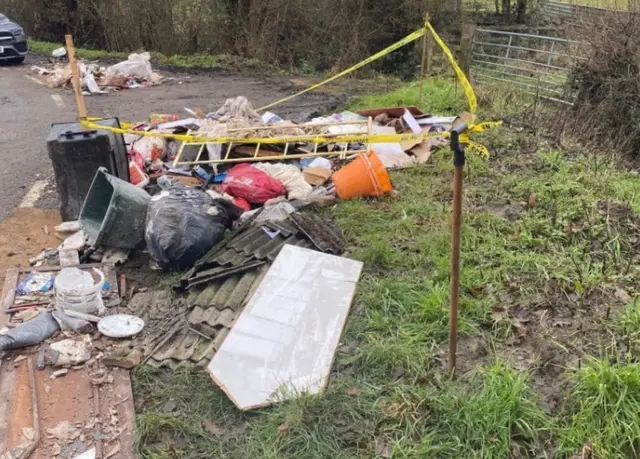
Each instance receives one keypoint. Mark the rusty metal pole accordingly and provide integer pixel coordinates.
(454, 287)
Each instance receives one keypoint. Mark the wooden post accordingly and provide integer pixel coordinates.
(75, 79)
(430, 44)
(466, 48)
(422, 64)
(456, 217)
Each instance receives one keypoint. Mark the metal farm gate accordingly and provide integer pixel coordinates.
(538, 64)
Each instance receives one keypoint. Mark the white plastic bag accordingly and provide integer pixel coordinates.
(150, 148)
(89, 82)
(137, 65)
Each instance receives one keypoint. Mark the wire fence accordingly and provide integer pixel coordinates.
(537, 64)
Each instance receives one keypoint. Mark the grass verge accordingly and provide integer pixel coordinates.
(548, 266)
(202, 61)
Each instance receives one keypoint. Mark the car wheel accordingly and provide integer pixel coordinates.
(18, 60)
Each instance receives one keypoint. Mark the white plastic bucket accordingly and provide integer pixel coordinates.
(77, 290)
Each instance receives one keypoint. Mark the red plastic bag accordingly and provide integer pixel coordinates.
(257, 187)
(242, 203)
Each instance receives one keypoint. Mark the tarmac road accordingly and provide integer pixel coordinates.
(27, 110)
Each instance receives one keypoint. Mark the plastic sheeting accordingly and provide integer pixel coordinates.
(30, 333)
(235, 108)
(137, 65)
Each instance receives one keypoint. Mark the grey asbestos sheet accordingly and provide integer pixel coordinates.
(283, 343)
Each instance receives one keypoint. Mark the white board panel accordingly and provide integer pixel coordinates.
(283, 343)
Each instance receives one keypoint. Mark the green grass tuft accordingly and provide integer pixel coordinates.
(630, 327)
(605, 404)
(496, 416)
(440, 97)
(46, 48)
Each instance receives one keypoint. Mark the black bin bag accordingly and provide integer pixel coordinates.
(185, 223)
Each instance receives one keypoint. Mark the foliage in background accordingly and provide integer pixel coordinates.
(313, 35)
(202, 61)
(286, 33)
(608, 83)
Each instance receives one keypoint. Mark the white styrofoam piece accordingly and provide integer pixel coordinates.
(437, 120)
(283, 343)
(391, 154)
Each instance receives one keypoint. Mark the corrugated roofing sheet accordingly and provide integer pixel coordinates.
(325, 236)
(225, 278)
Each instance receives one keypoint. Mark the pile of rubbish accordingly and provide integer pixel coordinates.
(135, 72)
(252, 173)
(264, 291)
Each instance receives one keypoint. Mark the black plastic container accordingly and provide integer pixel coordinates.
(76, 155)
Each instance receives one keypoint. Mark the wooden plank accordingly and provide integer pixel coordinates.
(32, 399)
(466, 43)
(77, 84)
(8, 294)
(251, 151)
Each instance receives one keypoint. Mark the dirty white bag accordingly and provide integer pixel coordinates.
(59, 52)
(137, 65)
(237, 107)
(60, 76)
(150, 148)
(290, 176)
(89, 82)
(211, 128)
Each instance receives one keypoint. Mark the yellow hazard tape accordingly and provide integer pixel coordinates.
(462, 78)
(480, 127)
(466, 86)
(198, 139)
(123, 124)
(472, 147)
(347, 138)
(399, 44)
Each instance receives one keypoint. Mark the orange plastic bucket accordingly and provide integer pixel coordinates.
(364, 176)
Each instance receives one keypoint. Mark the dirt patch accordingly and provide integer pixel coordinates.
(207, 89)
(93, 415)
(503, 208)
(548, 336)
(24, 234)
(138, 272)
